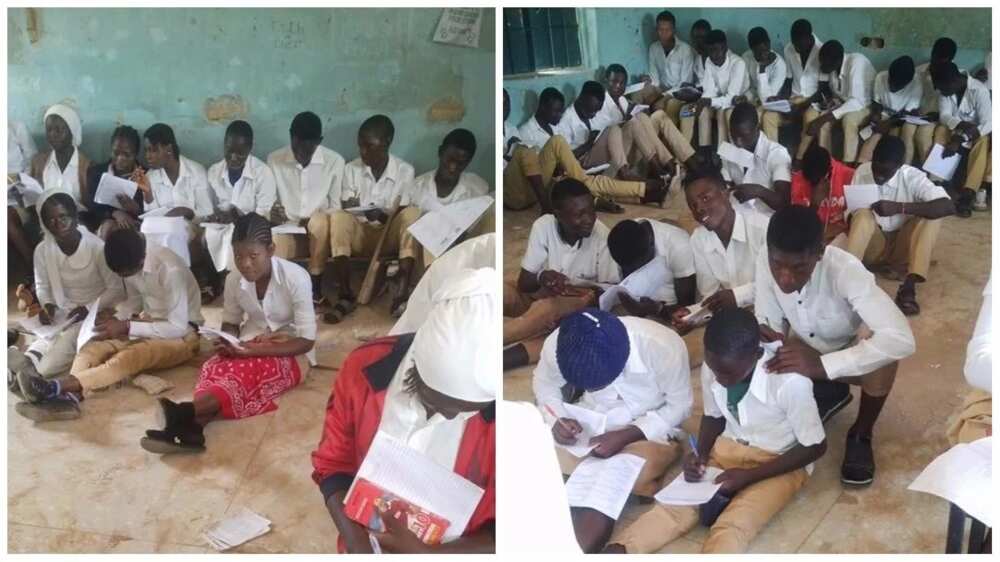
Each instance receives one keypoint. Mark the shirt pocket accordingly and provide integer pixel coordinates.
(833, 322)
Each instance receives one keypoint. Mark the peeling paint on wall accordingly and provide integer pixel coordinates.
(225, 108)
(446, 110)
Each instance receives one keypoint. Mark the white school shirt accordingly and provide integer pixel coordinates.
(907, 185)
(979, 352)
(67, 180)
(722, 83)
(533, 135)
(588, 259)
(853, 83)
(906, 99)
(424, 192)
(287, 305)
(611, 113)
(653, 392)
(304, 191)
(827, 312)
(699, 68)
(386, 192)
(805, 79)
(83, 276)
(768, 83)
(731, 267)
(777, 413)
(975, 107)
(254, 192)
(573, 128)
(20, 147)
(166, 291)
(509, 132)
(771, 163)
(191, 190)
(668, 72)
(674, 246)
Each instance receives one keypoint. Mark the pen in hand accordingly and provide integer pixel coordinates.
(559, 420)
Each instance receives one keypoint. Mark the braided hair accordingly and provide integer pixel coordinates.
(252, 227)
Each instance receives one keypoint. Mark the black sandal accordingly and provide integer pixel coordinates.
(906, 300)
(341, 310)
(858, 468)
(605, 205)
(163, 442)
(398, 306)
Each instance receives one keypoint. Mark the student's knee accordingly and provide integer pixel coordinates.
(593, 529)
(879, 382)
(318, 224)
(863, 219)
(726, 537)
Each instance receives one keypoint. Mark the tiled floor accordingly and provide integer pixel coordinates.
(825, 517)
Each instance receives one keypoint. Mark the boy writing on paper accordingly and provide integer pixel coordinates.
(726, 83)
(633, 370)
(155, 328)
(902, 227)
(819, 185)
(897, 94)
(762, 430)
(635, 243)
(434, 391)
(767, 71)
(377, 180)
(764, 187)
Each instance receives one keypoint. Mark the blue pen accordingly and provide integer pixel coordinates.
(694, 446)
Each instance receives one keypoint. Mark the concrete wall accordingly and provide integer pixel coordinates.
(623, 36)
(197, 70)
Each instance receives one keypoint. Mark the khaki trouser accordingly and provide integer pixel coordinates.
(526, 162)
(659, 457)
(850, 123)
(665, 130)
(608, 149)
(747, 513)
(288, 246)
(975, 421)
(877, 383)
(671, 106)
(911, 245)
(103, 363)
(705, 118)
(907, 133)
(769, 121)
(349, 236)
(978, 165)
(55, 357)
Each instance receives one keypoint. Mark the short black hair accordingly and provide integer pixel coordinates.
(743, 112)
(756, 36)
(715, 37)
(705, 170)
(665, 15)
(58, 198)
(796, 230)
(567, 189)
(127, 134)
(615, 69)
(901, 71)
(801, 29)
(160, 134)
(252, 227)
(944, 48)
(307, 126)
(124, 250)
(549, 95)
(831, 50)
(815, 163)
(628, 241)
(732, 332)
(701, 24)
(889, 149)
(381, 126)
(462, 139)
(592, 89)
(944, 73)
(240, 129)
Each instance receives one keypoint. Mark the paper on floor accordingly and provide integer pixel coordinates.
(111, 186)
(59, 323)
(153, 385)
(604, 484)
(593, 423)
(732, 153)
(779, 106)
(87, 329)
(437, 230)
(939, 166)
(963, 476)
(860, 196)
(682, 492)
(242, 526)
(643, 282)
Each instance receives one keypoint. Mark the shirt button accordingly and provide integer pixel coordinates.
(812, 335)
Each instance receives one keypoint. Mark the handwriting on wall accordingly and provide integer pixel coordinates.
(289, 34)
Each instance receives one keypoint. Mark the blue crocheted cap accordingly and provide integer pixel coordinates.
(591, 348)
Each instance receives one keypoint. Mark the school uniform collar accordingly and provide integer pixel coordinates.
(538, 125)
(74, 161)
(762, 148)
(761, 378)
(739, 233)
(391, 171)
(729, 59)
(277, 276)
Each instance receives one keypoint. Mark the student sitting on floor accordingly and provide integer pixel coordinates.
(762, 430)
(671, 67)
(824, 296)
(726, 84)
(565, 250)
(767, 71)
(802, 58)
(765, 186)
(633, 244)
(942, 52)
(975, 420)
(897, 93)
(375, 179)
(966, 121)
(819, 185)
(268, 306)
(902, 227)
(124, 163)
(434, 391)
(161, 312)
(307, 175)
(70, 273)
(241, 182)
(631, 369)
(698, 36)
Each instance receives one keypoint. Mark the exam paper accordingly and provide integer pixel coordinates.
(780, 106)
(634, 88)
(732, 153)
(697, 314)
(963, 476)
(637, 109)
(219, 239)
(28, 188)
(916, 120)
(596, 169)
(604, 484)
(643, 282)
(437, 230)
(943, 168)
(169, 232)
(236, 529)
(361, 209)
(288, 229)
(860, 196)
(111, 187)
(213, 333)
(593, 423)
(682, 492)
(60, 322)
(867, 132)
(157, 212)
(87, 329)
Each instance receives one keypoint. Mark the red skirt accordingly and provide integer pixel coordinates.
(247, 387)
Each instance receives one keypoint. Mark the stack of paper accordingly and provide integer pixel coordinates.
(604, 484)
(111, 186)
(779, 106)
(437, 230)
(593, 424)
(860, 196)
(936, 164)
(233, 531)
(682, 492)
(736, 155)
(213, 333)
(963, 476)
(59, 323)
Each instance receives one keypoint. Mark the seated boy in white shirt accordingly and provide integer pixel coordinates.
(671, 67)
(824, 296)
(725, 84)
(635, 243)
(241, 182)
(762, 430)
(900, 229)
(767, 71)
(155, 328)
(307, 174)
(896, 94)
(636, 372)
(379, 180)
(767, 185)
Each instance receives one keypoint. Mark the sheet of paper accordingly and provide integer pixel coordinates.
(580, 282)
(611, 297)
(637, 109)
(244, 525)
(87, 329)
(169, 232)
(416, 478)
(111, 186)
(916, 120)
(437, 230)
(362, 209)
(219, 239)
(593, 423)
(634, 88)
(596, 169)
(867, 132)
(779, 106)
(736, 155)
(27, 189)
(459, 26)
(861, 196)
(59, 323)
(604, 484)
(682, 492)
(963, 476)
(288, 229)
(157, 212)
(939, 166)
(697, 314)
(213, 333)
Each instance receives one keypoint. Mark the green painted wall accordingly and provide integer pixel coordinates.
(198, 69)
(623, 36)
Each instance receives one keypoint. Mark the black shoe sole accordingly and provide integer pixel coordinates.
(36, 413)
(165, 448)
(858, 483)
(24, 382)
(838, 407)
